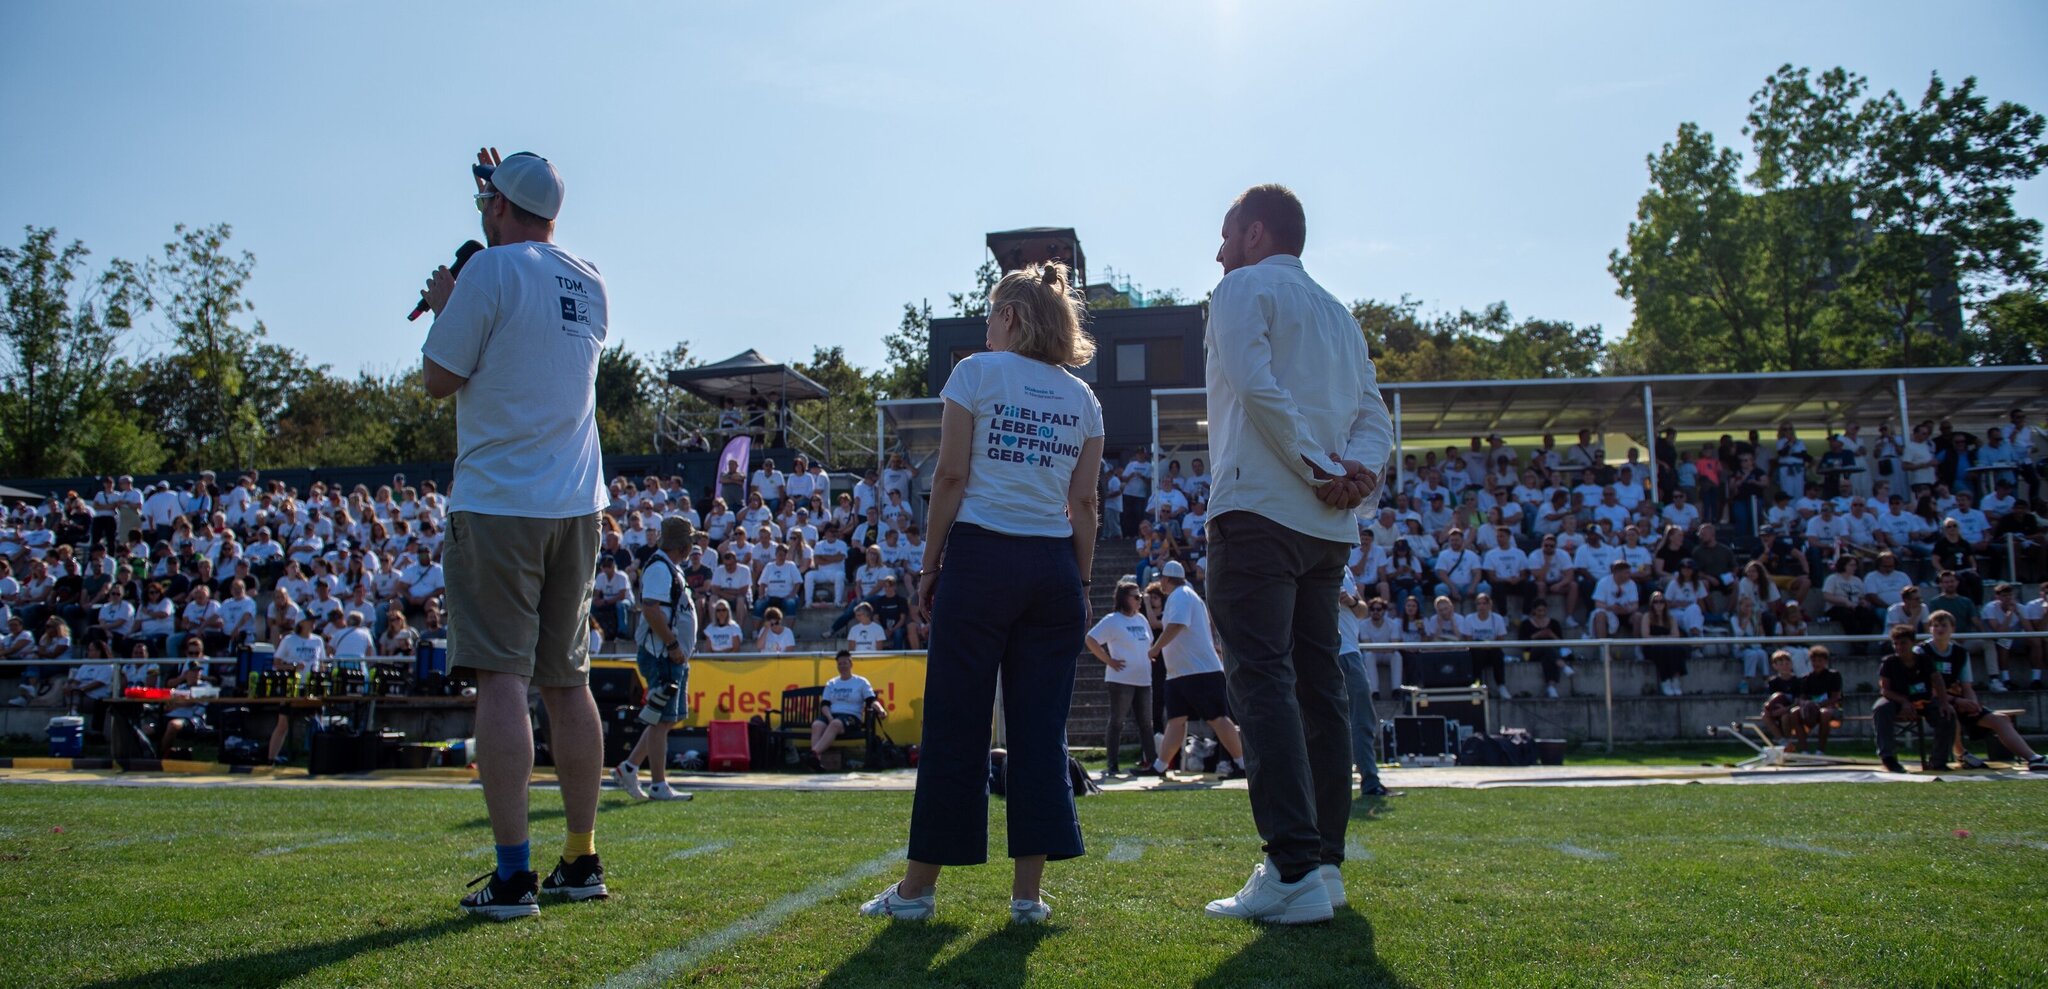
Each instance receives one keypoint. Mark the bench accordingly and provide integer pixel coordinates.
(1749, 731)
(800, 708)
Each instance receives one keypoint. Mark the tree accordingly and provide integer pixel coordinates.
(2012, 328)
(1469, 346)
(847, 419)
(625, 420)
(1937, 192)
(199, 287)
(61, 328)
(1862, 236)
(906, 375)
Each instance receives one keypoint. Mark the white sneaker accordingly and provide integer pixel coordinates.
(1266, 899)
(1568, 671)
(895, 907)
(18, 702)
(1504, 695)
(1030, 911)
(1333, 884)
(660, 791)
(629, 782)
(1570, 622)
(1550, 692)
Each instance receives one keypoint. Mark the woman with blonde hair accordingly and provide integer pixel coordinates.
(1012, 522)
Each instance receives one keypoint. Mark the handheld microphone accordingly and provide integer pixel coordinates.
(462, 256)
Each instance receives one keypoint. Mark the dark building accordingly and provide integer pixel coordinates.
(1136, 351)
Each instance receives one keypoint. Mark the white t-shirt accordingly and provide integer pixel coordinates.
(781, 580)
(1608, 591)
(1127, 638)
(354, 643)
(723, 638)
(1491, 628)
(848, 696)
(1506, 562)
(525, 325)
(658, 584)
(307, 651)
(782, 641)
(1194, 649)
(1887, 586)
(1347, 620)
(613, 584)
(870, 637)
(1030, 422)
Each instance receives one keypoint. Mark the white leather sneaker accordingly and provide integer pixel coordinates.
(1333, 883)
(662, 791)
(895, 907)
(629, 782)
(1267, 900)
(1030, 911)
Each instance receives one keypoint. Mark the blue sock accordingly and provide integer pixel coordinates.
(513, 858)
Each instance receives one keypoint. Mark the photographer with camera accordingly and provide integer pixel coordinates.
(667, 634)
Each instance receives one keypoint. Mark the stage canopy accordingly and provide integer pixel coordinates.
(745, 375)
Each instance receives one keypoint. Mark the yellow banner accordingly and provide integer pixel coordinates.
(739, 689)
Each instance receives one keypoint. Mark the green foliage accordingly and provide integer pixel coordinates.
(1866, 233)
(58, 333)
(975, 301)
(909, 348)
(1468, 346)
(848, 417)
(207, 378)
(625, 415)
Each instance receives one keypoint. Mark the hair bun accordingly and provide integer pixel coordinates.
(1053, 274)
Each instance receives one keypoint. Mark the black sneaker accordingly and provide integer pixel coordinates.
(580, 880)
(1144, 770)
(1378, 790)
(504, 899)
(1972, 762)
(1236, 773)
(1891, 765)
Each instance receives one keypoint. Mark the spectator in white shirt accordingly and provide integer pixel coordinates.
(355, 641)
(1887, 582)
(774, 636)
(1121, 640)
(1458, 570)
(1615, 602)
(1507, 569)
(778, 585)
(866, 634)
(303, 651)
(768, 483)
(200, 618)
(611, 599)
(828, 566)
(731, 584)
(722, 633)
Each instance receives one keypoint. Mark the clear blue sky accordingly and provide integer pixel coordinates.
(783, 176)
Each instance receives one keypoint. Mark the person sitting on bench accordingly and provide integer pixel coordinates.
(1948, 658)
(1820, 705)
(1912, 690)
(843, 707)
(1781, 706)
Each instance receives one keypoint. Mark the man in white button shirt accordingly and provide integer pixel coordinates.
(1298, 437)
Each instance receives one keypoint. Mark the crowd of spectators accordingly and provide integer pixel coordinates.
(1743, 536)
(325, 573)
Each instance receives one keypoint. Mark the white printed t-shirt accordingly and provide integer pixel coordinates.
(1030, 421)
(1127, 638)
(525, 325)
(1194, 649)
(849, 696)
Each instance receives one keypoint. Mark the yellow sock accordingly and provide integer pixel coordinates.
(579, 845)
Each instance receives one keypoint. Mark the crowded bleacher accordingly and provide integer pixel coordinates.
(1742, 536)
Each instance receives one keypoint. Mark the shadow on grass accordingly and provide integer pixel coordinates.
(902, 956)
(1338, 953)
(280, 965)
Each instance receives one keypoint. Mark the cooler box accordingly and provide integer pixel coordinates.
(254, 658)
(433, 659)
(729, 747)
(67, 737)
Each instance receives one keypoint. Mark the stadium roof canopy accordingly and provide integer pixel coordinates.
(1432, 412)
(1814, 401)
(745, 375)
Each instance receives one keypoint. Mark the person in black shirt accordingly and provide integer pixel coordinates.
(1820, 693)
(1912, 690)
(1781, 705)
(1949, 660)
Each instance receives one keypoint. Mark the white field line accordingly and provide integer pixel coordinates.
(673, 961)
(1589, 854)
(1800, 846)
(340, 839)
(1126, 851)
(695, 850)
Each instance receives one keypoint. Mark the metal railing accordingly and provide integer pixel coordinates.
(1607, 647)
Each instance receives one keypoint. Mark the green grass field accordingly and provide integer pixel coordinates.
(1808, 885)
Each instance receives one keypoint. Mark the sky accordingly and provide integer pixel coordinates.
(785, 176)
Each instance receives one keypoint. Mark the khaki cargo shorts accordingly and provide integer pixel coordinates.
(519, 595)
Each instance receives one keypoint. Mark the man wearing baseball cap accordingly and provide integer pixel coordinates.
(516, 342)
